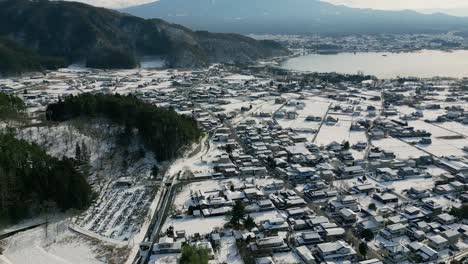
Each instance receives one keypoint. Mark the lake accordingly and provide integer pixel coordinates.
(423, 64)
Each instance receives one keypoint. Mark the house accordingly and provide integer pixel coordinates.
(413, 213)
(346, 217)
(385, 198)
(452, 236)
(252, 193)
(454, 165)
(265, 205)
(305, 255)
(347, 201)
(351, 172)
(426, 253)
(393, 231)
(418, 193)
(416, 234)
(444, 189)
(268, 245)
(335, 251)
(364, 188)
(394, 253)
(317, 220)
(308, 238)
(376, 133)
(433, 207)
(166, 245)
(295, 201)
(462, 177)
(438, 242)
(445, 219)
(407, 172)
(291, 114)
(334, 233)
(371, 224)
(275, 225)
(297, 212)
(458, 186)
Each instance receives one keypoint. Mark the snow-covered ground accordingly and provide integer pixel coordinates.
(58, 245)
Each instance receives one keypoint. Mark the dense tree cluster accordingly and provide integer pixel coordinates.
(194, 255)
(163, 130)
(30, 179)
(461, 212)
(334, 77)
(10, 105)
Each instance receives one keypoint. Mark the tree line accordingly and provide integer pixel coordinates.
(163, 130)
(31, 180)
(10, 105)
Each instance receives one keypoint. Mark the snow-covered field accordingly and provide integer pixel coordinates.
(58, 245)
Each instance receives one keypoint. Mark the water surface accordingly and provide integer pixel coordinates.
(423, 64)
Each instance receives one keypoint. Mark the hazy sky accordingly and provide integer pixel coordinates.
(403, 4)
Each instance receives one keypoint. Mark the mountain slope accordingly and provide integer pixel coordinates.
(108, 39)
(16, 59)
(291, 16)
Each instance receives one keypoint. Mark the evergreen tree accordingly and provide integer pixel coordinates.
(249, 223)
(461, 212)
(363, 249)
(85, 155)
(78, 154)
(30, 177)
(194, 255)
(228, 149)
(163, 130)
(367, 234)
(237, 214)
(346, 145)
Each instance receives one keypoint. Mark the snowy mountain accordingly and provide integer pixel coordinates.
(291, 16)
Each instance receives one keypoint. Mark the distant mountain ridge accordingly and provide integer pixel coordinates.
(105, 38)
(291, 16)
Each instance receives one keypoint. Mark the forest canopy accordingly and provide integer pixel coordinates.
(163, 130)
(30, 179)
(10, 105)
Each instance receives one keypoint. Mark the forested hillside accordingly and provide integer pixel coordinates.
(105, 38)
(16, 59)
(10, 106)
(163, 130)
(31, 180)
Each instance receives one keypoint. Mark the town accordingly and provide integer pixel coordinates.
(292, 167)
(324, 44)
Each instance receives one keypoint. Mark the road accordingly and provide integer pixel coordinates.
(321, 123)
(168, 190)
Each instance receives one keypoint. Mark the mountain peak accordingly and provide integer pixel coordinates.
(291, 16)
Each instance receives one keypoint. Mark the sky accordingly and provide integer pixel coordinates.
(403, 4)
